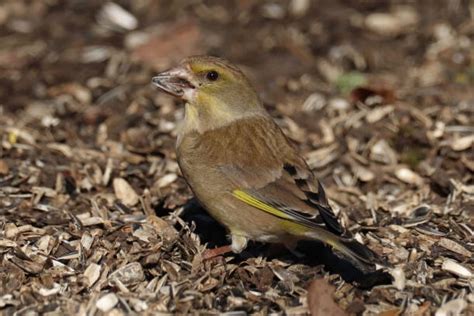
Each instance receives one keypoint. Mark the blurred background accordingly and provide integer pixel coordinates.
(377, 94)
(78, 72)
(290, 48)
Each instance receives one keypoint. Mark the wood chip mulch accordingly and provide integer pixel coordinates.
(95, 217)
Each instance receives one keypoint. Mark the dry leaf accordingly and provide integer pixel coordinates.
(174, 42)
(321, 301)
(4, 169)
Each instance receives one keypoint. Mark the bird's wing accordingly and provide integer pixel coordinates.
(291, 193)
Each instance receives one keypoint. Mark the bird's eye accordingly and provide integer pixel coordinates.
(212, 75)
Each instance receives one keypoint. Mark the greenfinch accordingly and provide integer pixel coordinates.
(242, 168)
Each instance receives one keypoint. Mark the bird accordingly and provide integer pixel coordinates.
(243, 169)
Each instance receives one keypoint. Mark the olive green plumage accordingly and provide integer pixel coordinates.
(242, 168)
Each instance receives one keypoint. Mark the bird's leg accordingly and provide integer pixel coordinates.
(238, 244)
(219, 251)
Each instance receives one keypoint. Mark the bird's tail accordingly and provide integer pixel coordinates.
(358, 254)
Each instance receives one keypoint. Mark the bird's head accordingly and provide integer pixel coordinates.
(215, 91)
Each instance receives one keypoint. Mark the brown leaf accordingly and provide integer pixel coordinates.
(4, 169)
(173, 43)
(390, 312)
(423, 309)
(321, 301)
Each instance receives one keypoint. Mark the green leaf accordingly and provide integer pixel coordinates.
(350, 80)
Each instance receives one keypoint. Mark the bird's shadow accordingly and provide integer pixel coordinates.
(314, 253)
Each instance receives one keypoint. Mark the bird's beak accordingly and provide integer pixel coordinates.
(176, 81)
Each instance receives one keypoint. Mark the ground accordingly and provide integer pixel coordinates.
(95, 217)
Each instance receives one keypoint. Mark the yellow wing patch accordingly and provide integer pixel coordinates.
(250, 200)
(288, 221)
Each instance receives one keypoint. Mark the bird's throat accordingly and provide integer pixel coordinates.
(205, 117)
